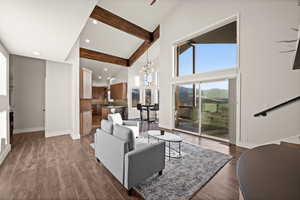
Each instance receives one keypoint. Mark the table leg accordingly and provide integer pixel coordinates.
(179, 149)
(169, 150)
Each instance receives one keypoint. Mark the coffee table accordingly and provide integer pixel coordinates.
(168, 138)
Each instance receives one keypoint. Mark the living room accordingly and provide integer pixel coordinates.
(149, 99)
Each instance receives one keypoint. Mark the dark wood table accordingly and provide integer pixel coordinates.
(270, 172)
(147, 108)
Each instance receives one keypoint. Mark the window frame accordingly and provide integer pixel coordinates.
(230, 73)
(139, 100)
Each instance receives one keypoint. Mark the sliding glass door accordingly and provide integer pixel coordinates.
(215, 109)
(211, 118)
(187, 107)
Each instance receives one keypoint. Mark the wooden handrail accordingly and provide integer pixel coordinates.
(264, 112)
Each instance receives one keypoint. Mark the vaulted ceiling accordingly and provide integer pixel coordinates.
(118, 33)
(122, 30)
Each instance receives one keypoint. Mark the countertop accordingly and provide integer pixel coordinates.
(114, 106)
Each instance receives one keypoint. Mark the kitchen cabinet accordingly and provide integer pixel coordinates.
(99, 93)
(85, 83)
(85, 122)
(118, 91)
(85, 101)
(96, 109)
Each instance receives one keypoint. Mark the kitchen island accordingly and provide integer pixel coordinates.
(106, 110)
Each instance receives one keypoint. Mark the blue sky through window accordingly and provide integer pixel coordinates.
(186, 62)
(209, 57)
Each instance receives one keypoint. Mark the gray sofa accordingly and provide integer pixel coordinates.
(130, 163)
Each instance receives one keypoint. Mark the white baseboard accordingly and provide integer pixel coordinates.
(57, 133)
(26, 130)
(292, 139)
(5, 153)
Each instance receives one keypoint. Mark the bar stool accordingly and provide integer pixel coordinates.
(155, 109)
(140, 108)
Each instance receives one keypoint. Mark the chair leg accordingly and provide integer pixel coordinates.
(141, 115)
(130, 192)
(160, 172)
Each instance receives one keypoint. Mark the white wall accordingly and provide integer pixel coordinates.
(266, 75)
(4, 106)
(28, 93)
(58, 120)
(74, 60)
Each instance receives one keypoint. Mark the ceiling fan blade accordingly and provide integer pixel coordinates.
(287, 41)
(152, 2)
(295, 29)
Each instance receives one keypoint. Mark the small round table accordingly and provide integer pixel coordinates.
(168, 138)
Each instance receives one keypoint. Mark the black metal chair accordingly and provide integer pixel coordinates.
(155, 109)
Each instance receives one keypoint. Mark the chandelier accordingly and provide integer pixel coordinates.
(147, 69)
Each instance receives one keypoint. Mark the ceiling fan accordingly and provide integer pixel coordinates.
(153, 2)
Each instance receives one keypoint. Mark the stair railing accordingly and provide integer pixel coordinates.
(264, 112)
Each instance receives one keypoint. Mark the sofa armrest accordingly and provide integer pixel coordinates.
(111, 151)
(143, 163)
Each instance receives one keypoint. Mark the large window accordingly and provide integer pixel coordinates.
(135, 95)
(3, 75)
(215, 50)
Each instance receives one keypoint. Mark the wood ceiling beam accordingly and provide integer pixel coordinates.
(113, 20)
(94, 55)
(144, 47)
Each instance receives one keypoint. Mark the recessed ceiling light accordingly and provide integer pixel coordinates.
(105, 69)
(36, 53)
(95, 21)
(99, 77)
(87, 41)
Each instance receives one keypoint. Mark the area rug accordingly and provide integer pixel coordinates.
(183, 177)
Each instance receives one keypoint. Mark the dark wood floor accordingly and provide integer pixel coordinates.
(60, 168)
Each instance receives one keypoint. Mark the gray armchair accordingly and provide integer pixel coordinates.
(131, 164)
